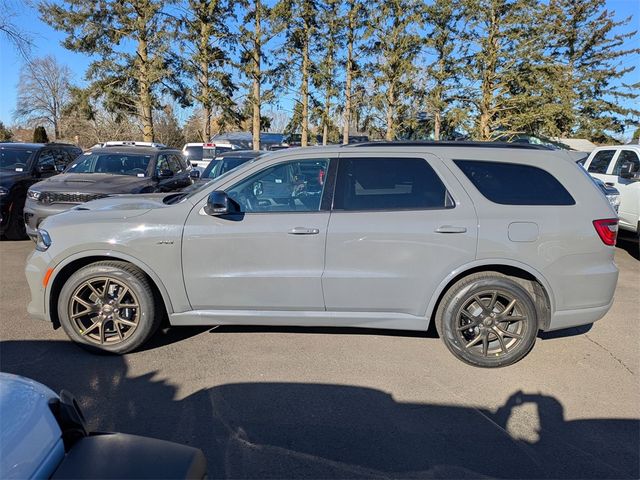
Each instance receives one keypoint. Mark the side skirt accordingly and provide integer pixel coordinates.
(384, 320)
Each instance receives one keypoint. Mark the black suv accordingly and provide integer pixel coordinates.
(21, 165)
(115, 168)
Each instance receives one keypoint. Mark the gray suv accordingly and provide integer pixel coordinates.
(492, 242)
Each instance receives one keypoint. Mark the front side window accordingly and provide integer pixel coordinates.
(286, 187)
(46, 158)
(515, 184)
(600, 162)
(111, 163)
(388, 184)
(624, 157)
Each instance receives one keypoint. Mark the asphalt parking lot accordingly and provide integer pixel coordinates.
(331, 403)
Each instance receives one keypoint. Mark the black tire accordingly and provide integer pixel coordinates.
(16, 229)
(107, 312)
(472, 321)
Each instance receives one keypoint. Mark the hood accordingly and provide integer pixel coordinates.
(94, 183)
(126, 205)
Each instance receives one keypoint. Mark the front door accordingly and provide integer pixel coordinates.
(398, 227)
(271, 255)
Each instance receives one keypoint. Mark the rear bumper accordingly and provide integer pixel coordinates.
(574, 318)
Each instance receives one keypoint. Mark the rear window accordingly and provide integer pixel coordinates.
(193, 153)
(389, 184)
(515, 184)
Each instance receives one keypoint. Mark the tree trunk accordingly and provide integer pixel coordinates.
(437, 122)
(207, 109)
(304, 94)
(391, 103)
(146, 114)
(347, 95)
(255, 91)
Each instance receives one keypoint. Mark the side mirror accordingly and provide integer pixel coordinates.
(195, 174)
(626, 170)
(218, 203)
(165, 173)
(46, 168)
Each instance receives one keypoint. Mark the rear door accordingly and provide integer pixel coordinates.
(629, 211)
(398, 227)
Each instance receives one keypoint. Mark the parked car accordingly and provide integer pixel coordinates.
(200, 154)
(227, 161)
(22, 165)
(619, 166)
(45, 435)
(116, 168)
(492, 242)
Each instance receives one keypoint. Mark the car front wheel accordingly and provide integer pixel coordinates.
(109, 306)
(487, 320)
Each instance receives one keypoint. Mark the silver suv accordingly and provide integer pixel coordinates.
(492, 242)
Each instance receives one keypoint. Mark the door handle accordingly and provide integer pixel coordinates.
(304, 231)
(450, 229)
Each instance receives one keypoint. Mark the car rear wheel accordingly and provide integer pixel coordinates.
(487, 320)
(109, 306)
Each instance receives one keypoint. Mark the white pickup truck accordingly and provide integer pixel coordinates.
(619, 166)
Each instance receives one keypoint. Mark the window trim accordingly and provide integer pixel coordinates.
(408, 209)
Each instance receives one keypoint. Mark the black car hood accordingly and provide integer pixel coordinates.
(93, 183)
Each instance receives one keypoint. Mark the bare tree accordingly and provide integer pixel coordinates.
(43, 92)
(20, 40)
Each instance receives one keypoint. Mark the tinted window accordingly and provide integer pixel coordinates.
(218, 167)
(388, 183)
(627, 156)
(47, 157)
(174, 164)
(11, 159)
(513, 184)
(114, 163)
(601, 161)
(193, 153)
(282, 188)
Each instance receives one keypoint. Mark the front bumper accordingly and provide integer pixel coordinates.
(35, 212)
(35, 270)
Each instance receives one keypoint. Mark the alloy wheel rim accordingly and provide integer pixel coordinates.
(491, 324)
(105, 311)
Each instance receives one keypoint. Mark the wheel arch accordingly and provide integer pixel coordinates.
(532, 280)
(73, 263)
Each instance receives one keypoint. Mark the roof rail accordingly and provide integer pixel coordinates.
(129, 143)
(420, 143)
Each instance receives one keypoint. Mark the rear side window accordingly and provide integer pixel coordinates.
(388, 184)
(600, 162)
(624, 157)
(514, 184)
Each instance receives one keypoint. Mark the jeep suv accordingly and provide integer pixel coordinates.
(21, 165)
(115, 168)
(492, 242)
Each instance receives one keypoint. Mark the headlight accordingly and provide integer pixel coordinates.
(3, 191)
(43, 240)
(34, 194)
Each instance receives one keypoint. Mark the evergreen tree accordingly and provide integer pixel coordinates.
(325, 76)
(394, 44)
(203, 61)
(586, 42)
(298, 19)
(128, 80)
(443, 44)
(5, 133)
(355, 21)
(499, 41)
(40, 135)
(254, 36)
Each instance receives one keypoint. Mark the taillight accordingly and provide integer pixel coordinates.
(607, 229)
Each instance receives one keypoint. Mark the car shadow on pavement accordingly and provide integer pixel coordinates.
(307, 430)
(629, 244)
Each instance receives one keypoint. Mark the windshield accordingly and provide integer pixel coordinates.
(113, 163)
(193, 153)
(223, 165)
(11, 159)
